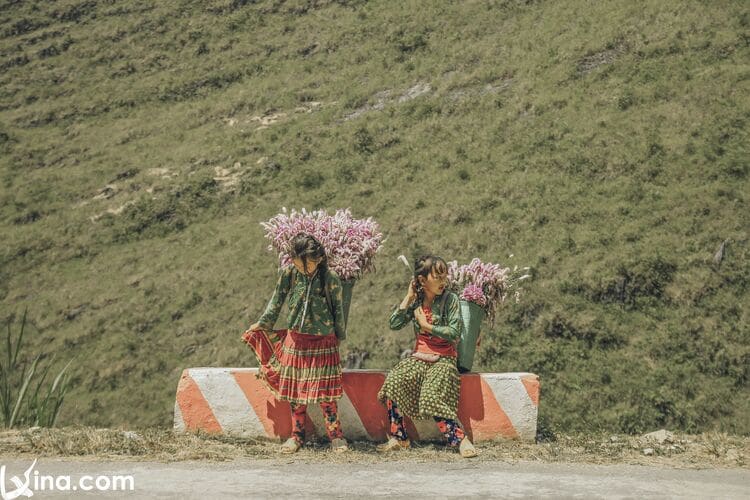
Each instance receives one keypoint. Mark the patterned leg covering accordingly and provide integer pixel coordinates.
(333, 424)
(423, 389)
(451, 430)
(397, 421)
(299, 416)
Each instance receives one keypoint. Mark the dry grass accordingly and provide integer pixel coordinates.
(710, 450)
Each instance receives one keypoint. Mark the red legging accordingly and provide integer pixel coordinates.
(331, 413)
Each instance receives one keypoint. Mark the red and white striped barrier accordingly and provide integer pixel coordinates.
(234, 401)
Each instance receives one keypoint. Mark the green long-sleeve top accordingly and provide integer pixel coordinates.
(447, 328)
(293, 285)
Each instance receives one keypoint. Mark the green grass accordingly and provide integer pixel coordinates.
(604, 144)
(25, 399)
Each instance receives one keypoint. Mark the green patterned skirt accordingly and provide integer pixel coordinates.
(422, 389)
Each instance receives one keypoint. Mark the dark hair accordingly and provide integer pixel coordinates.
(424, 266)
(305, 246)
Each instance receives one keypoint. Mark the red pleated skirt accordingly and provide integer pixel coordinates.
(297, 367)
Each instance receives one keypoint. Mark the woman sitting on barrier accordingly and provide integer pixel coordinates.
(302, 364)
(426, 384)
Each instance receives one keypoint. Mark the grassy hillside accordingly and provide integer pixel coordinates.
(602, 143)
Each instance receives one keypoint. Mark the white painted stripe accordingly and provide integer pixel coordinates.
(515, 401)
(351, 423)
(227, 402)
(315, 416)
(179, 422)
(512, 375)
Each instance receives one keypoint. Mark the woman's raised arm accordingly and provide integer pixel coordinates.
(404, 313)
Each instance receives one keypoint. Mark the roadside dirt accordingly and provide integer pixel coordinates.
(711, 450)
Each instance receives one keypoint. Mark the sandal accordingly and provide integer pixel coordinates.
(339, 445)
(290, 446)
(393, 444)
(466, 449)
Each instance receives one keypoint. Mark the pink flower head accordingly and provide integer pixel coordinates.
(350, 244)
(483, 283)
(474, 293)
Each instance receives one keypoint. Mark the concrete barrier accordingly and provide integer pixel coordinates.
(234, 401)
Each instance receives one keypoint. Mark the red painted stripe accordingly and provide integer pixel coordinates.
(531, 383)
(196, 413)
(362, 390)
(275, 415)
(479, 411)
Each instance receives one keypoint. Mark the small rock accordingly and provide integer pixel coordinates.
(648, 451)
(613, 439)
(660, 436)
(132, 435)
(415, 91)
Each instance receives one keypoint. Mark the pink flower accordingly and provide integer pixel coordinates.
(351, 244)
(473, 293)
(483, 283)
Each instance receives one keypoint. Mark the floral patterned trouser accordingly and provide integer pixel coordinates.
(449, 428)
(331, 414)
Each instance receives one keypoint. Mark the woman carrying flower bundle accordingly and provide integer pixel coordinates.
(427, 383)
(301, 364)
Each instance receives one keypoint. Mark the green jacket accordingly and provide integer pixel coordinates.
(318, 319)
(448, 328)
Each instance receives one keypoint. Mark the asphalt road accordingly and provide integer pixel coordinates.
(294, 479)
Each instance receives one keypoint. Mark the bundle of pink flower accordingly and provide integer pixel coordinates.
(351, 244)
(485, 284)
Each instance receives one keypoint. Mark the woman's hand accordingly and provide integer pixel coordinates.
(256, 326)
(421, 318)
